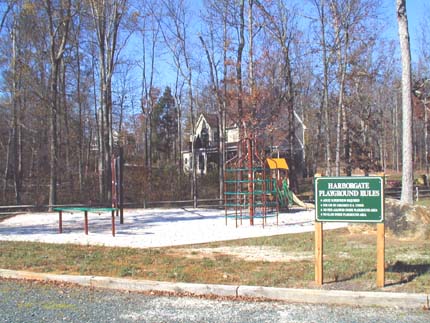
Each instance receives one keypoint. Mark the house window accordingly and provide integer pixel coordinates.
(205, 137)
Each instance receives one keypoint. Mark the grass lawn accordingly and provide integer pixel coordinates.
(349, 262)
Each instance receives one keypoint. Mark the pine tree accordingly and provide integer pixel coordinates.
(164, 125)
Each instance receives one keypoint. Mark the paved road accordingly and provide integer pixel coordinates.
(36, 302)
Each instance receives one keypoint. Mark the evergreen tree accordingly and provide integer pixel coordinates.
(165, 125)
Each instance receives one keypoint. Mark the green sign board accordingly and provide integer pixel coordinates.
(349, 199)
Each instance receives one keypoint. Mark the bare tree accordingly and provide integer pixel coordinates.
(179, 85)
(407, 152)
(16, 134)
(216, 45)
(149, 31)
(14, 141)
(107, 16)
(175, 33)
(320, 6)
(341, 28)
(280, 26)
(59, 20)
(239, 54)
(79, 99)
(348, 20)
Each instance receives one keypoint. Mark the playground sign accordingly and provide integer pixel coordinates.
(349, 199)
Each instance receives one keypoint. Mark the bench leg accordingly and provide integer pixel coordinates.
(60, 221)
(86, 222)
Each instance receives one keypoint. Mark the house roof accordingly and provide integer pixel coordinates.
(211, 119)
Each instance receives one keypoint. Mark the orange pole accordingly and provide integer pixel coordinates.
(113, 223)
(113, 180)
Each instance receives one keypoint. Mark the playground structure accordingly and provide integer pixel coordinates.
(245, 185)
(255, 187)
(279, 174)
(278, 169)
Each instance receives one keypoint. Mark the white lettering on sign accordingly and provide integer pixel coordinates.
(348, 193)
(348, 186)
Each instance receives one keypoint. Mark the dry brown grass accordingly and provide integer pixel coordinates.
(349, 261)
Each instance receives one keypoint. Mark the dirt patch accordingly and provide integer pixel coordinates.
(402, 221)
(249, 253)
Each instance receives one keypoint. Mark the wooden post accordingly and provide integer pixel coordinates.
(319, 272)
(380, 255)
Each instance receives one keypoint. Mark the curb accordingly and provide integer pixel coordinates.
(312, 296)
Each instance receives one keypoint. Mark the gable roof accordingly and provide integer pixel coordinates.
(211, 119)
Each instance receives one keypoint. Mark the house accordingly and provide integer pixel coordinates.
(206, 144)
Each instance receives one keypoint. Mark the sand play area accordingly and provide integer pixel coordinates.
(145, 228)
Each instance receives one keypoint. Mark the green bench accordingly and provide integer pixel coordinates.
(86, 210)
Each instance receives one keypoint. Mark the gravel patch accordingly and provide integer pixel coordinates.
(22, 301)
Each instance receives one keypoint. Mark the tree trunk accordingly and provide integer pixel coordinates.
(340, 105)
(294, 183)
(7, 163)
(80, 124)
(223, 112)
(407, 165)
(251, 58)
(68, 171)
(53, 145)
(240, 48)
(98, 115)
(193, 150)
(17, 155)
(326, 110)
(16, 122)
(346, 143)
(58, 36)
(106, 19)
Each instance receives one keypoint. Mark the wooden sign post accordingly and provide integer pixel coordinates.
(380, 255)
(319, 269)
(349, 199)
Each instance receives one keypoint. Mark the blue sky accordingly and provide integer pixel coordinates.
(416, 10)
